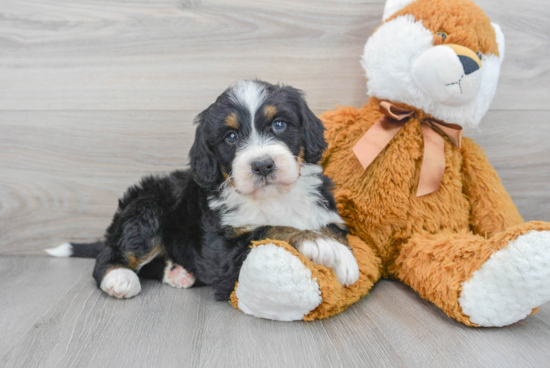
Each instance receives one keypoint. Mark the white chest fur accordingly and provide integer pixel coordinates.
(300, 207)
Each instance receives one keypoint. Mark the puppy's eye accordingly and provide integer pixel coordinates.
(231, 138)
(278, 126)
(442, 34)
(479, 55)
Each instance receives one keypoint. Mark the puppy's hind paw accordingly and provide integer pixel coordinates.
(332, 254)
(177, 276)
(121, 283)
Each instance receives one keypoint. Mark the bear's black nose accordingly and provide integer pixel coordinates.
(263, 166)
(468, 64)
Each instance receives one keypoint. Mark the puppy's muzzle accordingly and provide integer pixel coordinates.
(263, 166)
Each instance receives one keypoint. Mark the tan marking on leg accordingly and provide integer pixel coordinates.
(135, 262)
(294, 236)
(238, 231)
(113, 267)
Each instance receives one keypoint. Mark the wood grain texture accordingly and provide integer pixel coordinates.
(178, 55)
(70, 323)
(62, 172)
(66, 170)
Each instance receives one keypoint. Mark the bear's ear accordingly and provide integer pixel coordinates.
(393, 6)
(500, 41)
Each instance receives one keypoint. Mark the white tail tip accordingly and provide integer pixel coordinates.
(63, 250)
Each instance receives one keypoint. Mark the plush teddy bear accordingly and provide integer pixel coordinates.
(423, 205)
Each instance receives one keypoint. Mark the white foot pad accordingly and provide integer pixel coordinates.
(512, 282)
(332, 254)
(177, 276)
(121, 283)
(274, 284)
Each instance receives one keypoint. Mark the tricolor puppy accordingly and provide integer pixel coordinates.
(254, 174)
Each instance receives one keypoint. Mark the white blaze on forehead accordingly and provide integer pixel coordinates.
(249, 94)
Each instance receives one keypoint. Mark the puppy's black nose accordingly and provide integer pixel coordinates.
(468, 64)
(263, 166)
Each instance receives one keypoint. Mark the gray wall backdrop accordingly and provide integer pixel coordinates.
(94, 94)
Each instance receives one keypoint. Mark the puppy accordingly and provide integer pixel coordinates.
(254, 174)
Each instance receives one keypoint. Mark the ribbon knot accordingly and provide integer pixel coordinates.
(385, 128)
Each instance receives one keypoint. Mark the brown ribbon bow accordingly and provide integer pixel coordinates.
(385, 128)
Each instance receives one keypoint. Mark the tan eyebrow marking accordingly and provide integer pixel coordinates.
(270, 111)
(231, 121)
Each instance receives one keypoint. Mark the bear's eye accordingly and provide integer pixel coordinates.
(479, 55)
(442, 34)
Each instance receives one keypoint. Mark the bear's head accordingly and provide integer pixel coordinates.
(439, 56)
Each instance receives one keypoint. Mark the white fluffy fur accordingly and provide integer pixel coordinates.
(298, 207)
(63, 250)
(393, 6)
(511, 283)
(439, 73)
(500, 41)
(332, 254)
(388, 60)
(251, 95)
(121, 283)
(287, 169)
(274, 284)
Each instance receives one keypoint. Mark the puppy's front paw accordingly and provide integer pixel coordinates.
(177, 276)
(332, 254)
(121, 283)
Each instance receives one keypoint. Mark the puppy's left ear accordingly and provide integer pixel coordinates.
(313, 134)
(203, 162)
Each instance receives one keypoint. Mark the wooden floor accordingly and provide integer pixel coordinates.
(53, 315)
(94, 94)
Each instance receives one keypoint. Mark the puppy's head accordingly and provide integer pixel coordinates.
(256, 136)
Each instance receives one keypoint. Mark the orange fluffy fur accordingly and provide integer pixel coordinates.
(432, 243)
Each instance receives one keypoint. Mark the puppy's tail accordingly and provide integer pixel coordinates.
(82, 250)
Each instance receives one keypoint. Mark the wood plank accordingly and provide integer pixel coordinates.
(173, 55)
(163, 326)
(89, 328)
(66, 170)
(25, 295)
(62, 172)
(517, 144)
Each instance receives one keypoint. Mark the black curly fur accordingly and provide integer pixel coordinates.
(171, 213)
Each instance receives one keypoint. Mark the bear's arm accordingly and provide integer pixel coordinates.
(492, 209)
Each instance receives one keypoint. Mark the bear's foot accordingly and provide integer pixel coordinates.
(511, 283)
(275, 284)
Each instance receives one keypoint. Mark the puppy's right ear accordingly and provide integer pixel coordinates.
(204, 165)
